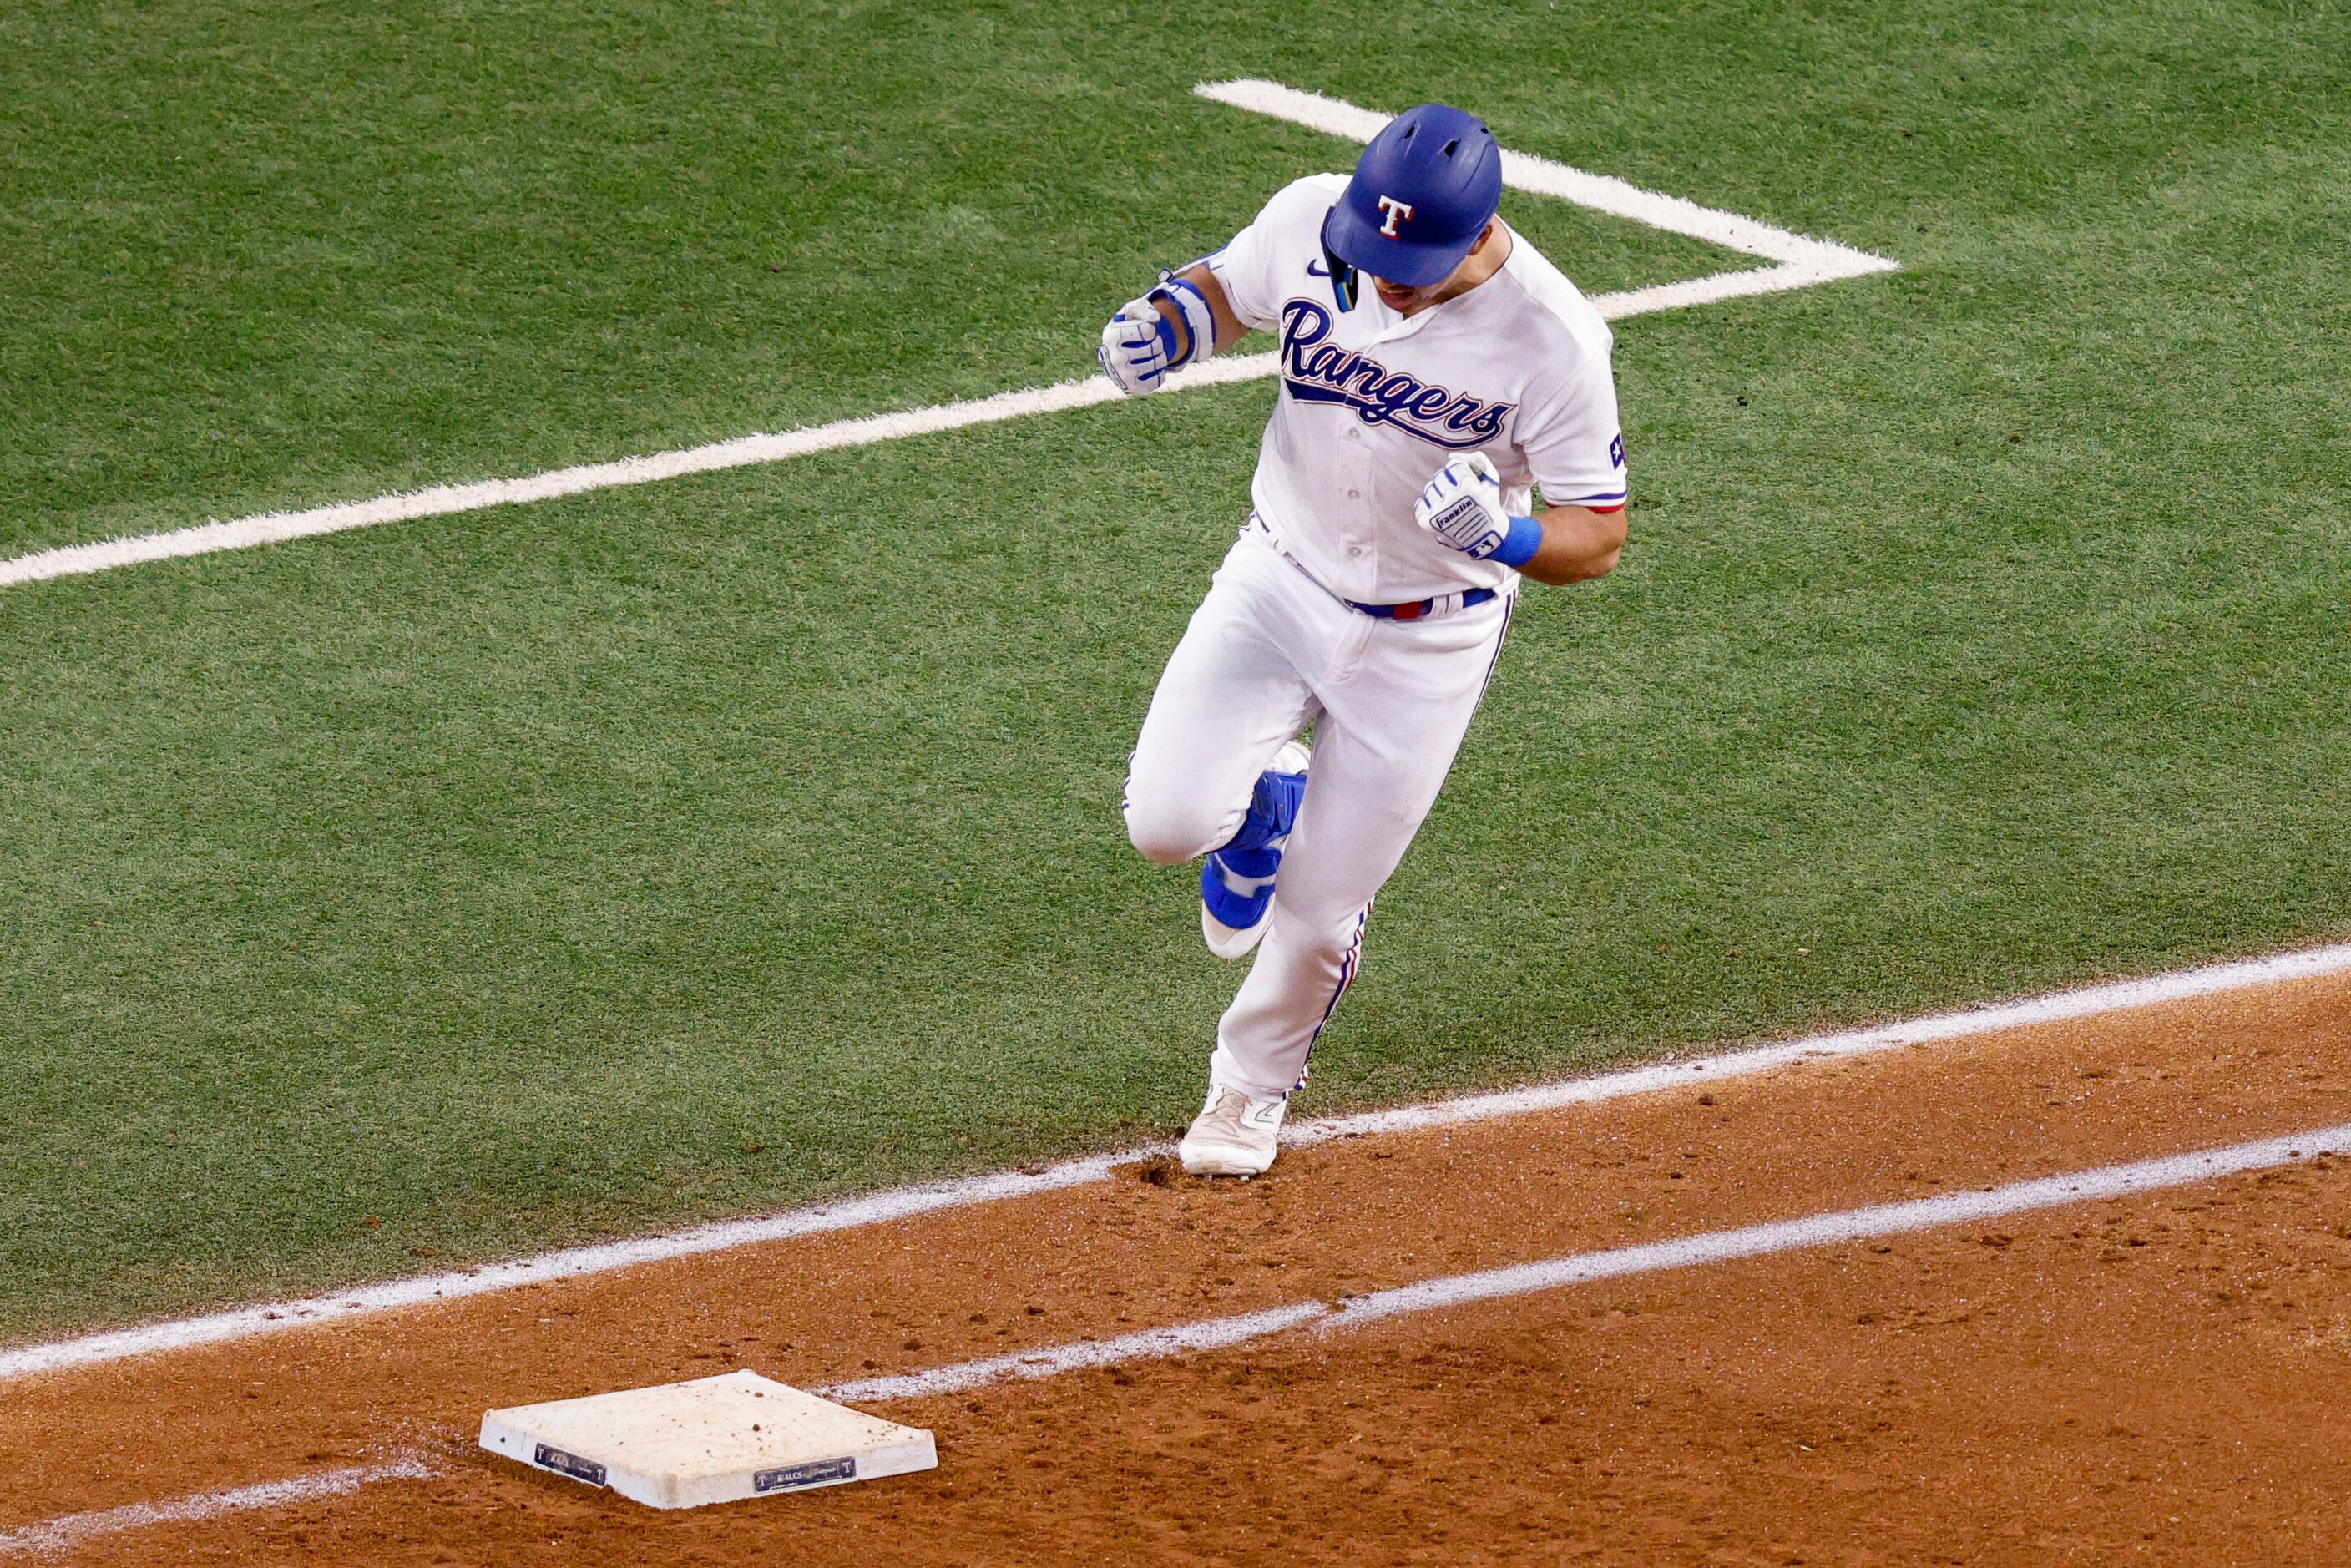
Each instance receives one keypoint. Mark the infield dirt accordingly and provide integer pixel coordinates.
(2162, 1377)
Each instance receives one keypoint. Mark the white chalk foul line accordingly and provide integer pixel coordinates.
(1616, 1263)
(1150, 1345)
(1328, 1317)
(1803, 262)
(72, 1530)
(248, 1323)
(2086, 1001)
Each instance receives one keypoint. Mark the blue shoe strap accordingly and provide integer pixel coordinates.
(1274, 811)
(1243, 885)
(1249, 862)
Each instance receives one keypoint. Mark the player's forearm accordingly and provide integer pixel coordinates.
(1578, 545)
(1229, 329)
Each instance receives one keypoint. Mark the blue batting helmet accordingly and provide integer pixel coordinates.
(1423, 193)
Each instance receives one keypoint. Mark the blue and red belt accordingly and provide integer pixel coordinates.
(1444, 602)
(1420, 607)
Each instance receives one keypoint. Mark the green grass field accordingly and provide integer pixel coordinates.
(461, 887)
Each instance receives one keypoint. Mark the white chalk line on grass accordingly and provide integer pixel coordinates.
(1615, 1263)
(1802, 263)
(1818, 260)
(742, 452)
(248, 1323)
(72, 1530)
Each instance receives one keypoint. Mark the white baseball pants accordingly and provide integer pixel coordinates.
(1269, 652)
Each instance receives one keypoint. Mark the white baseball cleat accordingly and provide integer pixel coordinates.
(1236, 892)
(1230, 942)
(1232, 1136)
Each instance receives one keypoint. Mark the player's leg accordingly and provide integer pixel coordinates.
(1389, 735)
(1229, 698)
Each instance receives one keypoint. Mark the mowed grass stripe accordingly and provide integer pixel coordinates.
(271, 258)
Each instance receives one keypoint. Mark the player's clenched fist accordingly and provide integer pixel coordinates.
(1135, 348)
(1463, 506)
(1141, 343)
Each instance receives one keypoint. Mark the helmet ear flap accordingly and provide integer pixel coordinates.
(1342, 279)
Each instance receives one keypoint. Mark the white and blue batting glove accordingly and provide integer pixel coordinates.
(1140, 347)
(1463, 507)
(1135, 346)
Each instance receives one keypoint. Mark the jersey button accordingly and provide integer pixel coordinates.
(1356, 551)
(1354, 495)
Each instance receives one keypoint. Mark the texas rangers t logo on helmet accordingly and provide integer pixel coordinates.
(1394, 211)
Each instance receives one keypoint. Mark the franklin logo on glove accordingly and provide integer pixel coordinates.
(1463, 507)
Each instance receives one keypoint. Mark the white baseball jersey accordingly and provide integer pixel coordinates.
(1373, 403)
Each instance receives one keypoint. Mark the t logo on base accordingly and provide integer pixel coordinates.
(1395, 212)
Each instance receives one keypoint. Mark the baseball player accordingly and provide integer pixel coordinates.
(1435, 372)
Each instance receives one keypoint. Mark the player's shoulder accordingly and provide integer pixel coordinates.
(1304, 199)
(1557, 309)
